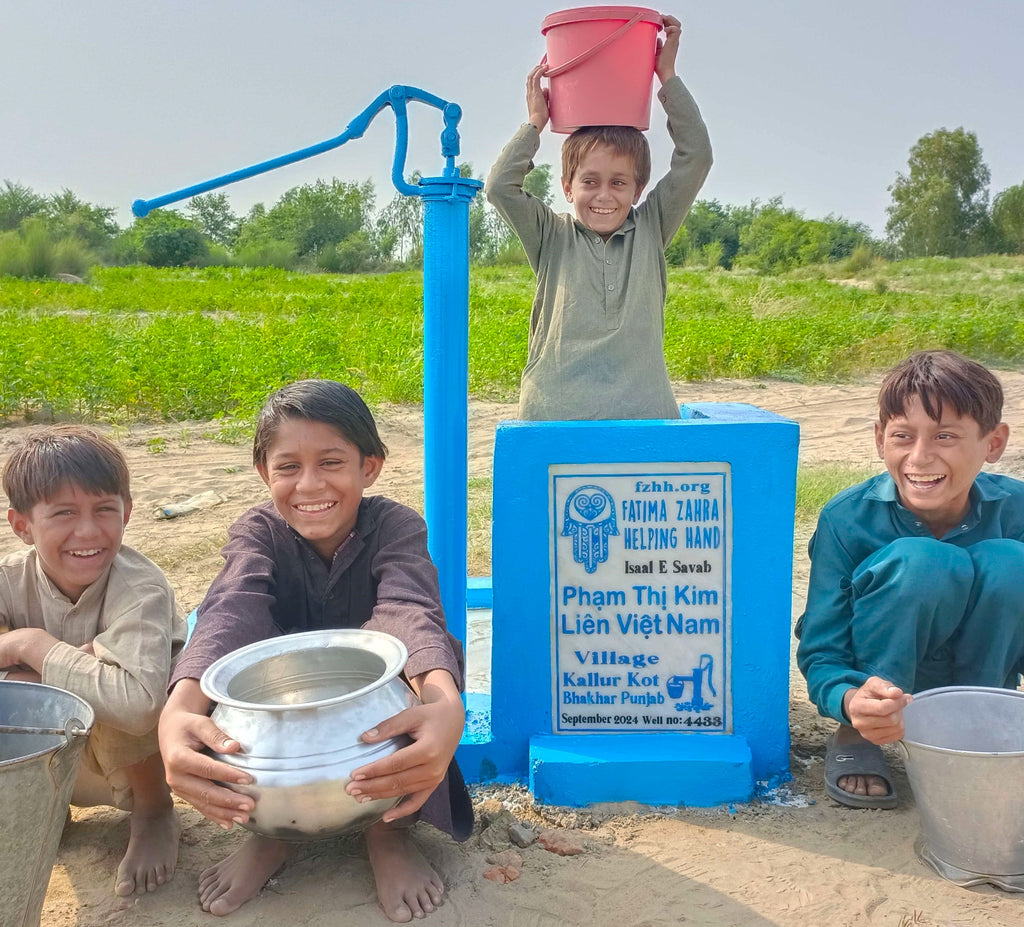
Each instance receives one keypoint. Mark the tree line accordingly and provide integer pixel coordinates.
(940, 206)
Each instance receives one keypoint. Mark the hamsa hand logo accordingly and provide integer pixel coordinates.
(590, 520)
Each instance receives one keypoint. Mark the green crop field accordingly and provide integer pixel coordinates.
(141, 343)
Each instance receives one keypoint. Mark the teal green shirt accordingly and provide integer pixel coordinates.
(852, 526)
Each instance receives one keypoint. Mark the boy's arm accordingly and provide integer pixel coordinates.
(674, 194)
(123, 673)
(22, 652)
(527, 215)
(237, 608)
(408, 597)
(825, 652)
(409, 608)
(416, 770)
(185, 733)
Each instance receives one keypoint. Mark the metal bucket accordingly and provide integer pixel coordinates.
(964, 751)
(37, 774)
(297, 705)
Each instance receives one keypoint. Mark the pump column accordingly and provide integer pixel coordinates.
(446, 383)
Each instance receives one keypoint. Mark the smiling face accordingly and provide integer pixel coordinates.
(934, 463)
(76, 535)
(602, 189)
(316, 479)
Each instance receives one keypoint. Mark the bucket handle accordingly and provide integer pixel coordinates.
(590, 52)
(72, 728)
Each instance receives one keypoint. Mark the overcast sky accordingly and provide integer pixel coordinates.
(813, 100)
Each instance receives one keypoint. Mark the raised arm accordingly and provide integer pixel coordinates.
(528, 216)
(674, 194)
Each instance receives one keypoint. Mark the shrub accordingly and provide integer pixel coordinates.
(174, 247)
(860, 259)
(267, 254)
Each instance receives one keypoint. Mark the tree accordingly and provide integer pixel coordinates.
(214, 217)
(709, 231)
(70, 217)
(941, 205)
(311, 217)
(17, 203)
(778, 238)
(165, 238)
(538, 183)
(1008, 217)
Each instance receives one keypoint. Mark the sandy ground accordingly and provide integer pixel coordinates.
(799, 860)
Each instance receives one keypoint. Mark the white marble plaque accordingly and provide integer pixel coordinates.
(641, 597)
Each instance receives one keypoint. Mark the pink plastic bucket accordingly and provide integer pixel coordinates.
(600, 66)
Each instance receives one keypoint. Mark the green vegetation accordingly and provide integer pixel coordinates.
(142, 343)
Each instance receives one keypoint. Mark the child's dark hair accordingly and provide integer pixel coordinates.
(54, 457)
(623, 140)
(326, 401)
(940, 378)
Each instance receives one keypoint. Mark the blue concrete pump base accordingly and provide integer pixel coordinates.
(699, 770)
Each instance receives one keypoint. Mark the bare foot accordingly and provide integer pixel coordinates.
(239, 877)
(407, 885)
(858, 785)
(152, 852)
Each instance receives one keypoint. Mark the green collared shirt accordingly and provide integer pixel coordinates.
(597, 329)
(852, 526)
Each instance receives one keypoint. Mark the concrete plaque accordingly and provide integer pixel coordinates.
(641, 597)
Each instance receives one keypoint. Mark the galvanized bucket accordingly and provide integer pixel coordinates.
(964, 750)
(42, 734)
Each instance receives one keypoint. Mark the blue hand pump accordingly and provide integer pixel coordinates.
(446, 202)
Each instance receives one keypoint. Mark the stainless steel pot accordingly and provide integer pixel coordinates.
(297, 705)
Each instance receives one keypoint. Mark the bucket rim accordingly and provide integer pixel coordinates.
(216, 678)
(86, 716)
(941, 691)
(594, 13)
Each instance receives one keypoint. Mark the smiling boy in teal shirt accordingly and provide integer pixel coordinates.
(917, 575)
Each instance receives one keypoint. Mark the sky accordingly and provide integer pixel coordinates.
(816, 101)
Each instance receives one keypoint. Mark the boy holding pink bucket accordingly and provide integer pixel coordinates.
(917, 575)
(596, 344)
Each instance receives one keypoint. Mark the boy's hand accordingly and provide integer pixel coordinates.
(414, 771)
(537, 98)
(876, 710)
(25, 648)
(668, 47)
(184, 732)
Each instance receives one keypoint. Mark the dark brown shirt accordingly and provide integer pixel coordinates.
(382, 578)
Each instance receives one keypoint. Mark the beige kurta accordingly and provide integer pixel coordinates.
(597, 329)
(130, 617)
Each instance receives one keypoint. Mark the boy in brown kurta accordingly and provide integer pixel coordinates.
(320, 555)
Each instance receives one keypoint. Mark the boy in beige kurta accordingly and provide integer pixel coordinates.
(84, 613)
